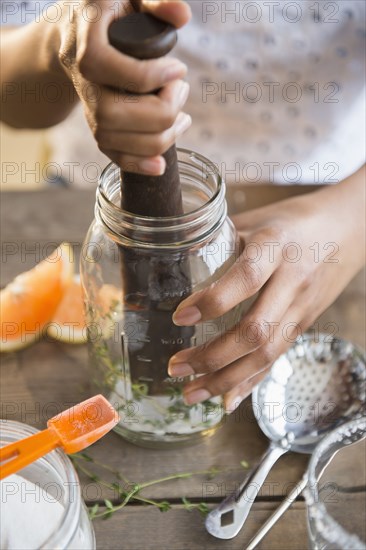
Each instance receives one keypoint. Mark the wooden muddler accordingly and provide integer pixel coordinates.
(142, 36)
(161, 278)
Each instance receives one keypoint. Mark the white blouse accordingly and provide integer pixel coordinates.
(277, 91)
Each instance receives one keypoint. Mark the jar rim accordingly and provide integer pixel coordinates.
(59, 461)
(135, 217)
(199, 175)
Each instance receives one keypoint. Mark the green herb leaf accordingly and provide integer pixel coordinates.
(86, 457)
(108, 504)
(203, 508)
(93, 511)
(164, 506)
(130, 491)
(187, 504)
(107, 515)
(94, 477)
(213, 472)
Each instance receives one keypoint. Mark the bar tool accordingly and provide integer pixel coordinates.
(317, 385)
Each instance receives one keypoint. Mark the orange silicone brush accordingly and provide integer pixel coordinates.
(72, 430)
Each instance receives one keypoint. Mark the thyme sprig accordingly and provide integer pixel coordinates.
(133, 491)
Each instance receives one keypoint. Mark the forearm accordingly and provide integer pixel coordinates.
(346, 203)
(35, 91)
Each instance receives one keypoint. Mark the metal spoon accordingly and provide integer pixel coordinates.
(317, 385)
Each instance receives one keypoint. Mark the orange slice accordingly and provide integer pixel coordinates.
(68, 323)
(29, 302)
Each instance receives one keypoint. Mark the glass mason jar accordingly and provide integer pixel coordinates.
(45, 497)
(135, 270)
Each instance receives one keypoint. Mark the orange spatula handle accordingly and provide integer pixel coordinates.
(19, 454)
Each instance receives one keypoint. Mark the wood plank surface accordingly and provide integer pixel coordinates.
(48, 377)
(173, 529)
(179, 529)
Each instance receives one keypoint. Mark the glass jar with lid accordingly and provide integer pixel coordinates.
(135, 270)
(41, 505)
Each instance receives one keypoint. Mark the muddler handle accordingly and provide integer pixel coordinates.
(143, 36)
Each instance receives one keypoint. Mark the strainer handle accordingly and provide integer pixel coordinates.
(225, 521)
(286, 503)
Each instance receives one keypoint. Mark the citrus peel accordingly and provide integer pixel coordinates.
(30, 301)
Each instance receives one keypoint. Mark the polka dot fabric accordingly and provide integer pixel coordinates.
(277, 88)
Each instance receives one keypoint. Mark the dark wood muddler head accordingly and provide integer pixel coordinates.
(143, 36)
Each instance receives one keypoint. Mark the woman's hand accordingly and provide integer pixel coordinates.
(69, 58)
(133, 131)
(298, 255)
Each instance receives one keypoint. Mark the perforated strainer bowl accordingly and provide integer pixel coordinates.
(317, 385)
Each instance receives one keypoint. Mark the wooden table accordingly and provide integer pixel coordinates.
(42, 380)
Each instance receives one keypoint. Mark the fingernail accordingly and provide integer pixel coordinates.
(196, 396)
(187, 316)
(180, 369)
(232, 404)
(182, 124)
(174, 70)
(183, 93)
(155, 167)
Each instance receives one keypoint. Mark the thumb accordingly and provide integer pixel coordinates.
(175, 12)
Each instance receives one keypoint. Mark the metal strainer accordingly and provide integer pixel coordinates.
(317, 385)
